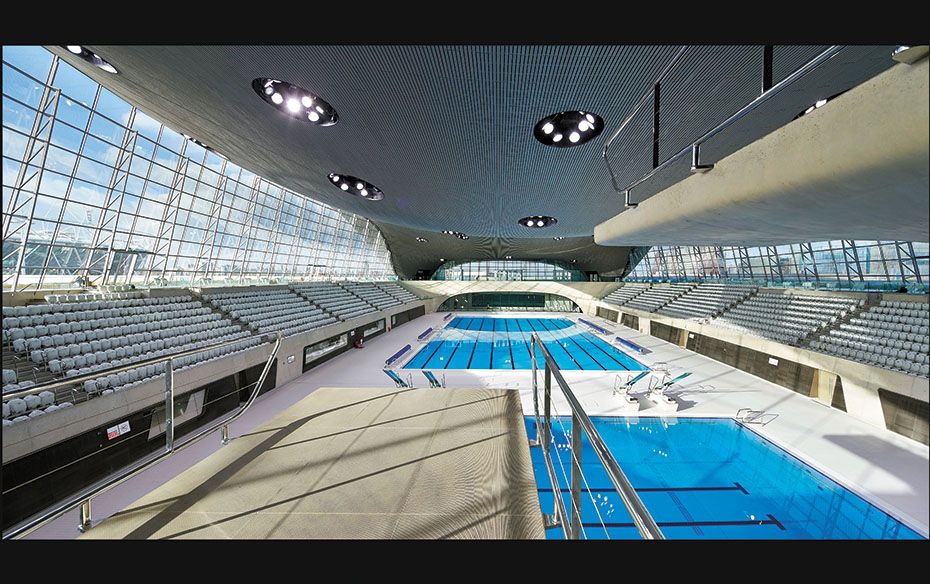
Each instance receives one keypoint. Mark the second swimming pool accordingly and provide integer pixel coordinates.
(483, 342)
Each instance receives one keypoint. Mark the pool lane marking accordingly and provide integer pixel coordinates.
(652, 489)
(552, 339)
(585, 334)
(734, 523)
(583, 350)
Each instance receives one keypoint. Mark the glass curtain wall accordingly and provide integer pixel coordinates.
(507, 270)
(95, 192)
(847, 264)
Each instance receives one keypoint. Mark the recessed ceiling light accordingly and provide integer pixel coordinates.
(91, 57)
(558, 238)
(537, 221)
(298, 102)
(458, 234)
(442, 259)
(577, 125)
(422, 239)
(573, 261)
(508, 257)
(357, 186)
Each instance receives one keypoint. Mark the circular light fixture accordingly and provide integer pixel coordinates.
(537, 221)
(297, 101)
(579, 126)
(558, 238)
(508, 257)
(91, 57)
(458, 234)
(357, 186)
(442, 259)
(422, 239)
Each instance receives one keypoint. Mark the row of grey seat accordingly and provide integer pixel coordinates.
(271, 310)
(893, 335)
(705, 300)
(625, 293)
(335, 299)
(372, 295)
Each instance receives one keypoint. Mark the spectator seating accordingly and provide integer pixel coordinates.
(397, 291)
(892, 335)
(625, 293)
(787, 318)
(334, 299)
(658, 296)
(372, 294)
(270, 310)
(705, 300)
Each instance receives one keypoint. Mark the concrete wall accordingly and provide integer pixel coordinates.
(860, 381)
(853, 169)
(584, 294)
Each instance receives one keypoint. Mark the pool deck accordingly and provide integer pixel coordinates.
(887, 469)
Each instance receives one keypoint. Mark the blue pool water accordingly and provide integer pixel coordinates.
(706, 478)
(504, 343)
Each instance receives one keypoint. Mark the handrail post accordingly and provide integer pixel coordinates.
(576, 477)
(84, 525)
(547, 439)
(169, 405)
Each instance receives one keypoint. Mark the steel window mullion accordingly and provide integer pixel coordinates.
(166, 230)
(213, 223)
(67, 195)
(24, 240)
(245, 231)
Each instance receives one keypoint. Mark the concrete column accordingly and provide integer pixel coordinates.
(863, 402)
(822, 386)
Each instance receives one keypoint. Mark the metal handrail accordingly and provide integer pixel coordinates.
(695, 146)
(642, 519)
(84, 497)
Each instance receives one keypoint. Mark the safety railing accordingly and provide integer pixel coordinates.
(84, 497)
(570, 519)
(697, 165)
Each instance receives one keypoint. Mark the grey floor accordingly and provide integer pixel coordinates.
(357, 463)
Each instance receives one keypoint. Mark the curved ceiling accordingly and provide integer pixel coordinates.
(445, 131)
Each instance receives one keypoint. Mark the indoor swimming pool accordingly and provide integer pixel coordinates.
(706, 478)
(504, 343)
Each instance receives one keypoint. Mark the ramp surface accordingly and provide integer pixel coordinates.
(357, 463)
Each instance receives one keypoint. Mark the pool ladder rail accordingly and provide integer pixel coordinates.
(751, 416)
